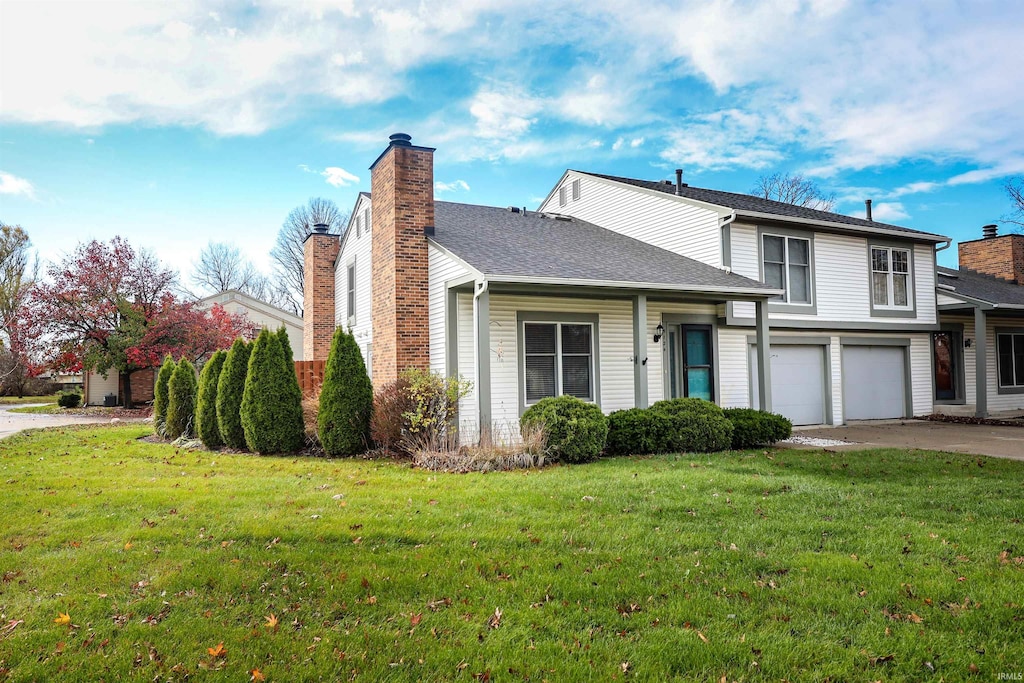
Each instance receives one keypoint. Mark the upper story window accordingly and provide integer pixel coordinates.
(890, 277)
(358, 221)
(786, 263)
(366, 219)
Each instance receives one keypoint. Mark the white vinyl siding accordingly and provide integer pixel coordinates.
(441, 269)
(842, 280)
(356, 249)
(664, 221)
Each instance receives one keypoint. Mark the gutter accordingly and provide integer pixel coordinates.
(756, 292)
(843, 227)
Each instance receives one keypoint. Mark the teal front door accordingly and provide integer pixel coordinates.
(691, 362)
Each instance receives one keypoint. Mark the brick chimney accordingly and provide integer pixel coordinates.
(402, 191)
(999, 256)
(319, 252)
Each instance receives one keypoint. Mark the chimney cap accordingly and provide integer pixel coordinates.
(321, 228)
(989, 231)
(400, 140)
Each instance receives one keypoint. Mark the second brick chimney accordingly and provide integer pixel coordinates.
(319, 252)
(402, 191)
(1001, 257)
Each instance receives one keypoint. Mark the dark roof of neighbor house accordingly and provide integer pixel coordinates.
(746, 202)
(982, 287)
(533, 246)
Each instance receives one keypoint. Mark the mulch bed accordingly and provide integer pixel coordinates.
(969, 420)
(121, 413)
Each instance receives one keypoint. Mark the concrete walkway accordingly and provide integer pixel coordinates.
(999, 442)
(12, 423)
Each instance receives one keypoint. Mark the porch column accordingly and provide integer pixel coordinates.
(980, 363)
(764, 357)
(482, 315)
(451, 333)
(640, 398)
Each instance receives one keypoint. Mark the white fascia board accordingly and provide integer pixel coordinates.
(755, 292)
(843, 227)
(554, 189)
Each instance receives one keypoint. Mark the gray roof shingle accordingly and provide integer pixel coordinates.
(498, 242)
(983, 287)
(746, 202)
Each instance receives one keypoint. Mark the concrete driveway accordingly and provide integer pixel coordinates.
(999, 442)
(12, 423)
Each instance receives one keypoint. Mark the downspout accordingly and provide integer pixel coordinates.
(727, 242)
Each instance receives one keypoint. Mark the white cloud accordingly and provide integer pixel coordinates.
(503, 113)
(338, 177)
(453, 186)
(889, 211)
(13, 185)
(722, 140)
(636, 142)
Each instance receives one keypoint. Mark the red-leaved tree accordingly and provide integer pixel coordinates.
(108, 307)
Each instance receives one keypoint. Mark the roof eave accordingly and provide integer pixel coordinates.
(843, 227)
(739, 292)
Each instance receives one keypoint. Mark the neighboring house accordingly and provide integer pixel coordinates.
(260, 313)
(624, 292)
(97, 387)
(979, 373)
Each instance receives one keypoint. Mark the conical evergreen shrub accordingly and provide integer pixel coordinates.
(271, 402)
(286, 344)
(160, 394)
(346, 399)
(181, 401)
(229, 394)
(206, 408)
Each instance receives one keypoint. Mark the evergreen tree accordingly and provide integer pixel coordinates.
(160, 394)
(229, 394)
(271, 403)
(181, 401)
(206, 409)
(346, 399)
(286, 344)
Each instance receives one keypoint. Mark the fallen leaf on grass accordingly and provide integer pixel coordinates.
(494, 621)
(415, 619)
(271, 621)
(64, 619)
(218, 652)
(9, 628)
(881, 659)
(256, 676)
(702, 637)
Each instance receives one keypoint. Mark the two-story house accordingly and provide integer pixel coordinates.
(624, 292)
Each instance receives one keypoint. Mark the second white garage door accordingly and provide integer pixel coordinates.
(873, 382)
(798, 382)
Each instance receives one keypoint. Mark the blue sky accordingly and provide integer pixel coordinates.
(174, 124)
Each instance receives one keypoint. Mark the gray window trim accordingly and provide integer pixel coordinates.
(568, 318)
(959, 381)
(351, 292)
(881, 312)
(995, 351)
(908, 378)
(782, 306)
(691, 319)
(795, 340)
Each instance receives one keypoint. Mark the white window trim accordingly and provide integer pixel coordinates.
(351, 276)
(594, 383)
(785, 268)
(890, 289)
(562, 196)
(576, 189)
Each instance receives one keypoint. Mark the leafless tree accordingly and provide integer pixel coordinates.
(287, 253)
(1015, 189)
(794, 189)
(222, 266)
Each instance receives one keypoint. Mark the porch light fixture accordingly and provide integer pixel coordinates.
(967, 342)
(659, 332)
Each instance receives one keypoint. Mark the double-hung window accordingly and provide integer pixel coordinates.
(786, 262)
(890, 277)
(558, 359)
(1010, 352)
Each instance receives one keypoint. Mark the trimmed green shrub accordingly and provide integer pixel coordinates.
(69, 399)
(752, 428)
(230, 387)
(638, 431)
(286, 344)
(346, 399)
(206, 408)
(160, 394)
(698, 426)
(271, 402)
(575, 430)
(181, 401)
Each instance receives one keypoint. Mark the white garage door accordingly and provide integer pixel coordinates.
(798, 382)
(873, 379)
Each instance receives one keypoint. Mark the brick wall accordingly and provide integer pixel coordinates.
(319, 253)
(402, 187)
(1002, 257)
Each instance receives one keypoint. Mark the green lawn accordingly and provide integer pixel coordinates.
(15, 400)
(796, 565)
